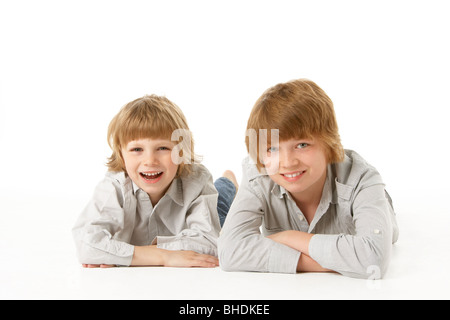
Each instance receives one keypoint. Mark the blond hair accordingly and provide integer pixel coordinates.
(153, 117)
(299, 109)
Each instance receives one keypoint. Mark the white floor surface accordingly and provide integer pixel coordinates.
(38, 262)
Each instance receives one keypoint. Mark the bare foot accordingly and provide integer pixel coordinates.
(230, 176)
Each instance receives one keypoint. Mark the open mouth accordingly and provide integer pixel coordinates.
(151, 176)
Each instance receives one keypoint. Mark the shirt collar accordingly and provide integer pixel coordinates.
(175, 191)
(278, 191)
(135, 187)
(327, 192)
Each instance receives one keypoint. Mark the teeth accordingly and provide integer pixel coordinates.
(151, 174)
(293, 175)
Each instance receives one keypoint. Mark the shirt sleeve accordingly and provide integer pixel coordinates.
(367, 253)
(242, 247)
(100, 232)
(202, 226)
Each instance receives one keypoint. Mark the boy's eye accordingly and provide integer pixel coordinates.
(302, 145)
(272, 149)
(137, 149)
(163, 148)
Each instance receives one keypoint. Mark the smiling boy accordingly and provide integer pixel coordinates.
(156, 205)
(321, 208)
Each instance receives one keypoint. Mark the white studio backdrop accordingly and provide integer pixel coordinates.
(67, 67)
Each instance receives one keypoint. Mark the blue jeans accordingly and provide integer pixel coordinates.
(227, 191)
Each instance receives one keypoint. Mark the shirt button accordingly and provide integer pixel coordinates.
(376, 231)
(301, 218)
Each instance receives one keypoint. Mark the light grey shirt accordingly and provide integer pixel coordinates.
(121, 216)
(354, 225)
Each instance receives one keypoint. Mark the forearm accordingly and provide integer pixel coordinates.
(153, 256)
(307, 264)
(299, 241)
(148, 256)
(295, 239)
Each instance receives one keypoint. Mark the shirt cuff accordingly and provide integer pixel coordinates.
(107, 252)
(174, 243)
(283, 259)
(320, 249)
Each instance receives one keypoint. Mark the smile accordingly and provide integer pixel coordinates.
(292, 177)
(151, 177)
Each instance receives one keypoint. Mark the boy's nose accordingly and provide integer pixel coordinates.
(151, 159)
(288, 160)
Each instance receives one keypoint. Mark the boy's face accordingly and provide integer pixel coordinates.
(298, 165)
(149, 164)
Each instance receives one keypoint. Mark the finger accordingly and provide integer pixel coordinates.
(207, 258)
(213, 260)
(204, 264)
(107, 266)
(207, 262)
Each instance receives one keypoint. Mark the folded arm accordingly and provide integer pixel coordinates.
(102, 237)
(299, 241)
(152, 256)
(242, 247)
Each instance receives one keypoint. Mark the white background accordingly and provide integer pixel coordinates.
(67, 67)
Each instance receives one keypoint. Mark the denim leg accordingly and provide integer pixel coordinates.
(227, 191)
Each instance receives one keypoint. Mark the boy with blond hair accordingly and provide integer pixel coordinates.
(156, 205)
(321, 208)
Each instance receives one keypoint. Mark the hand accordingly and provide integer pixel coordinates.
(189, 259)
(153, 256)
(98, 265)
